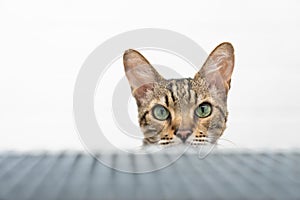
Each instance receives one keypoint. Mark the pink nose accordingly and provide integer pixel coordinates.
(183, 134)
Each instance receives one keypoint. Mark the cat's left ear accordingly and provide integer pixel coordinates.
(140, 73)
(218, 67)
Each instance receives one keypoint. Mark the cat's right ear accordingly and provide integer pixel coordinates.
(218, 67)
(140, 73)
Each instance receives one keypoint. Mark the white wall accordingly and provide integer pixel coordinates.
(43, 45)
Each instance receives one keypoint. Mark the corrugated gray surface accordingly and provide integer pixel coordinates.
(219, 176)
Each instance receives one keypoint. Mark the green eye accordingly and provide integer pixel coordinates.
(203, 110)
(160, 112)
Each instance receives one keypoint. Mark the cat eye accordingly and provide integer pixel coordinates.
(160, 112)
(203, 110)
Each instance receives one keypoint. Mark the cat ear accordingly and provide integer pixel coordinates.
(140, 73)
(218, 67)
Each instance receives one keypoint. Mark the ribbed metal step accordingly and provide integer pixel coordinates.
(79, 176)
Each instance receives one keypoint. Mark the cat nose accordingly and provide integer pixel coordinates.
(183, 134)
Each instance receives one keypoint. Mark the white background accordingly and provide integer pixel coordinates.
(44, 43)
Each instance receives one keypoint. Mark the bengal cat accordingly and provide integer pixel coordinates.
(182, 111)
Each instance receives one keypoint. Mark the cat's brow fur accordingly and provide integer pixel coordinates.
(181, 97)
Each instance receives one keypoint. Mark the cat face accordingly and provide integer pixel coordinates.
(176, 111)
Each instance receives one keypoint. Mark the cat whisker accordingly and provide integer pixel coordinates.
(198, 141)
(223, 139)
(165, 142)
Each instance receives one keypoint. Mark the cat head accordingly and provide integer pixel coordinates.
(176, 111)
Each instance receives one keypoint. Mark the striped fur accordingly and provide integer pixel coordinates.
(181, 97)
